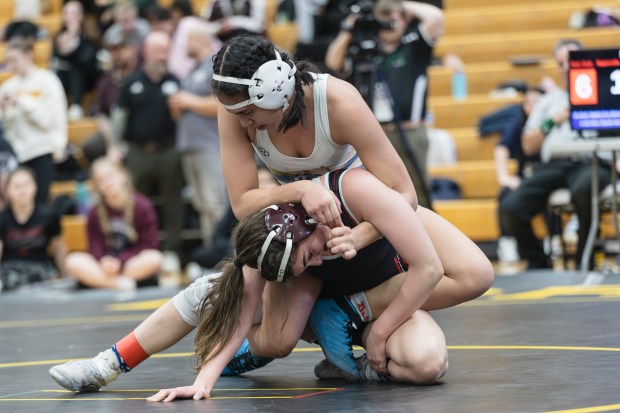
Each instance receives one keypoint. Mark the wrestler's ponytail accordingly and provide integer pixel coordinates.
(220, 309)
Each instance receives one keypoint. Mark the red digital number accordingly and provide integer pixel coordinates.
(584, 90)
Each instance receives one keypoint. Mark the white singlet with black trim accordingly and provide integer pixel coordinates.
(326, 156)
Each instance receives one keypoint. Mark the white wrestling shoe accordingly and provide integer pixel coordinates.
(87, 375)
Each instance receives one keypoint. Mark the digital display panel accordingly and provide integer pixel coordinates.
(594, 89)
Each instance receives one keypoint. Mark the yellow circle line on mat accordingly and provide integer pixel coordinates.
(593, 409)
(314, 349)
(72, 321)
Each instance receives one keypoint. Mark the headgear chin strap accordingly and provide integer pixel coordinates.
(288, 224)
(270, 87)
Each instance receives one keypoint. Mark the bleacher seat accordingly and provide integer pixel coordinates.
(495, 18)
(475, 178)
(4, 76)
(73, 229)
(474, 4)
(451, 113)
(486, 76)
(470, 146)
(503, 46)
(79, 130)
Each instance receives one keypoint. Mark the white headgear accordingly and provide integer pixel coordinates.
(270, 87)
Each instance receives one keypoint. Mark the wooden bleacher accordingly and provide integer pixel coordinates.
(450, 113)
(50, 18)
(503, 46)
(51, 23)
(494, 18)
(197, 5)
(6, 10)
(475, 178)
(79, 130)
(484, 77)
(475, 4)
(58, 188)
(74, 232)
(4, 76)
(476, 218)
(487, 35)
(470, 146)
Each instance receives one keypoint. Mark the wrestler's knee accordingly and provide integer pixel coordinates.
(486, 275)
(424, 366)
(480, 277)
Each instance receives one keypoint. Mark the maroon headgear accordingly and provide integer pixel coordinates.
(288, 224)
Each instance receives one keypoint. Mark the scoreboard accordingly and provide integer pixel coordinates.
(594, 89)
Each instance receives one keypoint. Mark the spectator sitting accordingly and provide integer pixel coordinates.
(74, 58)
(33, 108)
(122, 235)
(509, 147)
(28, 230)
(548, 127)
(232, 17)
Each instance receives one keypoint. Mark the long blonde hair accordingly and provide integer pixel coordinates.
(128, 211)
(221, 307)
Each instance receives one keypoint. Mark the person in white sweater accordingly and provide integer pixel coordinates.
(33, 110)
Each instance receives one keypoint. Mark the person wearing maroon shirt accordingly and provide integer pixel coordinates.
(122, 235)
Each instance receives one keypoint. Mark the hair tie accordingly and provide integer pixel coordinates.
(238, 263)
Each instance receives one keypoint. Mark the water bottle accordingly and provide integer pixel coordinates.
(82, 198)
(459, 85)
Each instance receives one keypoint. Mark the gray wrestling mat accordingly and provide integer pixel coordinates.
(537, 342)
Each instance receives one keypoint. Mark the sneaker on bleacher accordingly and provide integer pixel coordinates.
(507, 251)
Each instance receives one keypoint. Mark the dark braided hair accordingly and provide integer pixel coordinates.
(242, 55)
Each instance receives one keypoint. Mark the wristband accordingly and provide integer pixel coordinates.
(546, 126)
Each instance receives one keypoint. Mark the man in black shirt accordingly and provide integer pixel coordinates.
(143, 121)
(406, 52)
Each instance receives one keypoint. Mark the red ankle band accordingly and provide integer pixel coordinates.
(131, 351)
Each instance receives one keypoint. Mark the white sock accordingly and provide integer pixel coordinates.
(108, 365)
